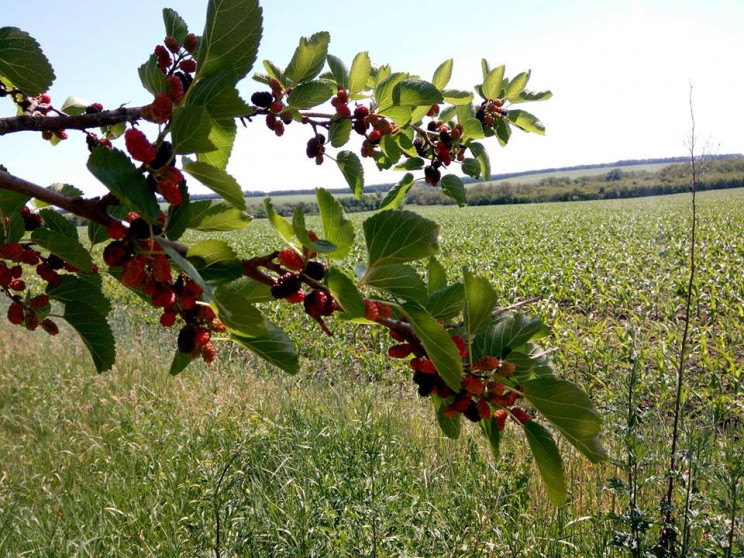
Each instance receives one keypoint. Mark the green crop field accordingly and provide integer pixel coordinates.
(535, 177)
(344, 459)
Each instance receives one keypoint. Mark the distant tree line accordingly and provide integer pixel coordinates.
(719, 172)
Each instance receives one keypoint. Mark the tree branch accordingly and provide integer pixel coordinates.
(93, 209)
(25, 123)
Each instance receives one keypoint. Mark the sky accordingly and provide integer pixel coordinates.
(620, 73)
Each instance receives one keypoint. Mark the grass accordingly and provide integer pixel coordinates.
(344, 460)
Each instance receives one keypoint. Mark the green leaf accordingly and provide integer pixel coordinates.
(471, 167)
(526, 121)
(485, 67)
(55, 221)
(217, 180)
(525, 96)
(503, 131)
(448, 113)
(437, 275)
(23, 62)
(351, 168)
(222, 135)
(450, 426)
(178, 217)
(416, 92)
(457, 97)
(480, 300)
(399, 237)
(280, 224)
(218, 95)
(151, 76)
(412, 163)
(399, 280)
(309, 57)
(384, 89)
(361, 67)
(346, 294)
(493, 83)
(516, 85)
(275, 348)
(12, 230)
(400, 115)
(439, 347)
(300, 230)
(74, 106)
(235, 309)
(179, 363)
(231, 36)
(67, 248)
(473, 128)
(442, 74)
(11, 202)
(339, 71)
(83, 288)
(481, 156)
(96, 233)
(490, 430)
(246, 290)
(509, 333)
(215, 260)
(175, 26)
(310, 94)
(187, 267)
(389, 146)
(548, 460)
(337, 229)
(95, 332)
(275, 72)
(215, 215)
(570, 410)
(453, 187)
(339, 132)
(190, 127)
(116, 171)
(446, 303)
(397, 193)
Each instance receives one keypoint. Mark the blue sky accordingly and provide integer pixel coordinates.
(619, 71)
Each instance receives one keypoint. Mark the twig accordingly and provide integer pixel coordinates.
(217, 552)
(26, 123)
(514, 306)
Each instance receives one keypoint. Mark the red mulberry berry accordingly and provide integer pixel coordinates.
(296, 298)
(190, 42)
(38, 302)
(208, 353)
(167, 319)
(520, 415)
(188, 66)
(172, 44)
(473, 385)
(159, 110)
(400, 351)
(138, 146)
(290, 259)
(174, 89)
(49, 326)
(15, 313)
(423, 365)
(460, 344)
(164, 57)
(487, 363)
(371, 312)
(500, 417)
(201, 337)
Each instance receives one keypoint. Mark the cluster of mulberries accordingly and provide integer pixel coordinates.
(485, 390)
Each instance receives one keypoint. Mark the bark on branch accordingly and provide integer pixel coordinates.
(93, 209)
(25, 123)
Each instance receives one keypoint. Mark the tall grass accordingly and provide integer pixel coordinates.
(344, 460)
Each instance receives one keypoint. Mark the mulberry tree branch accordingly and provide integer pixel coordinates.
(26, 123)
